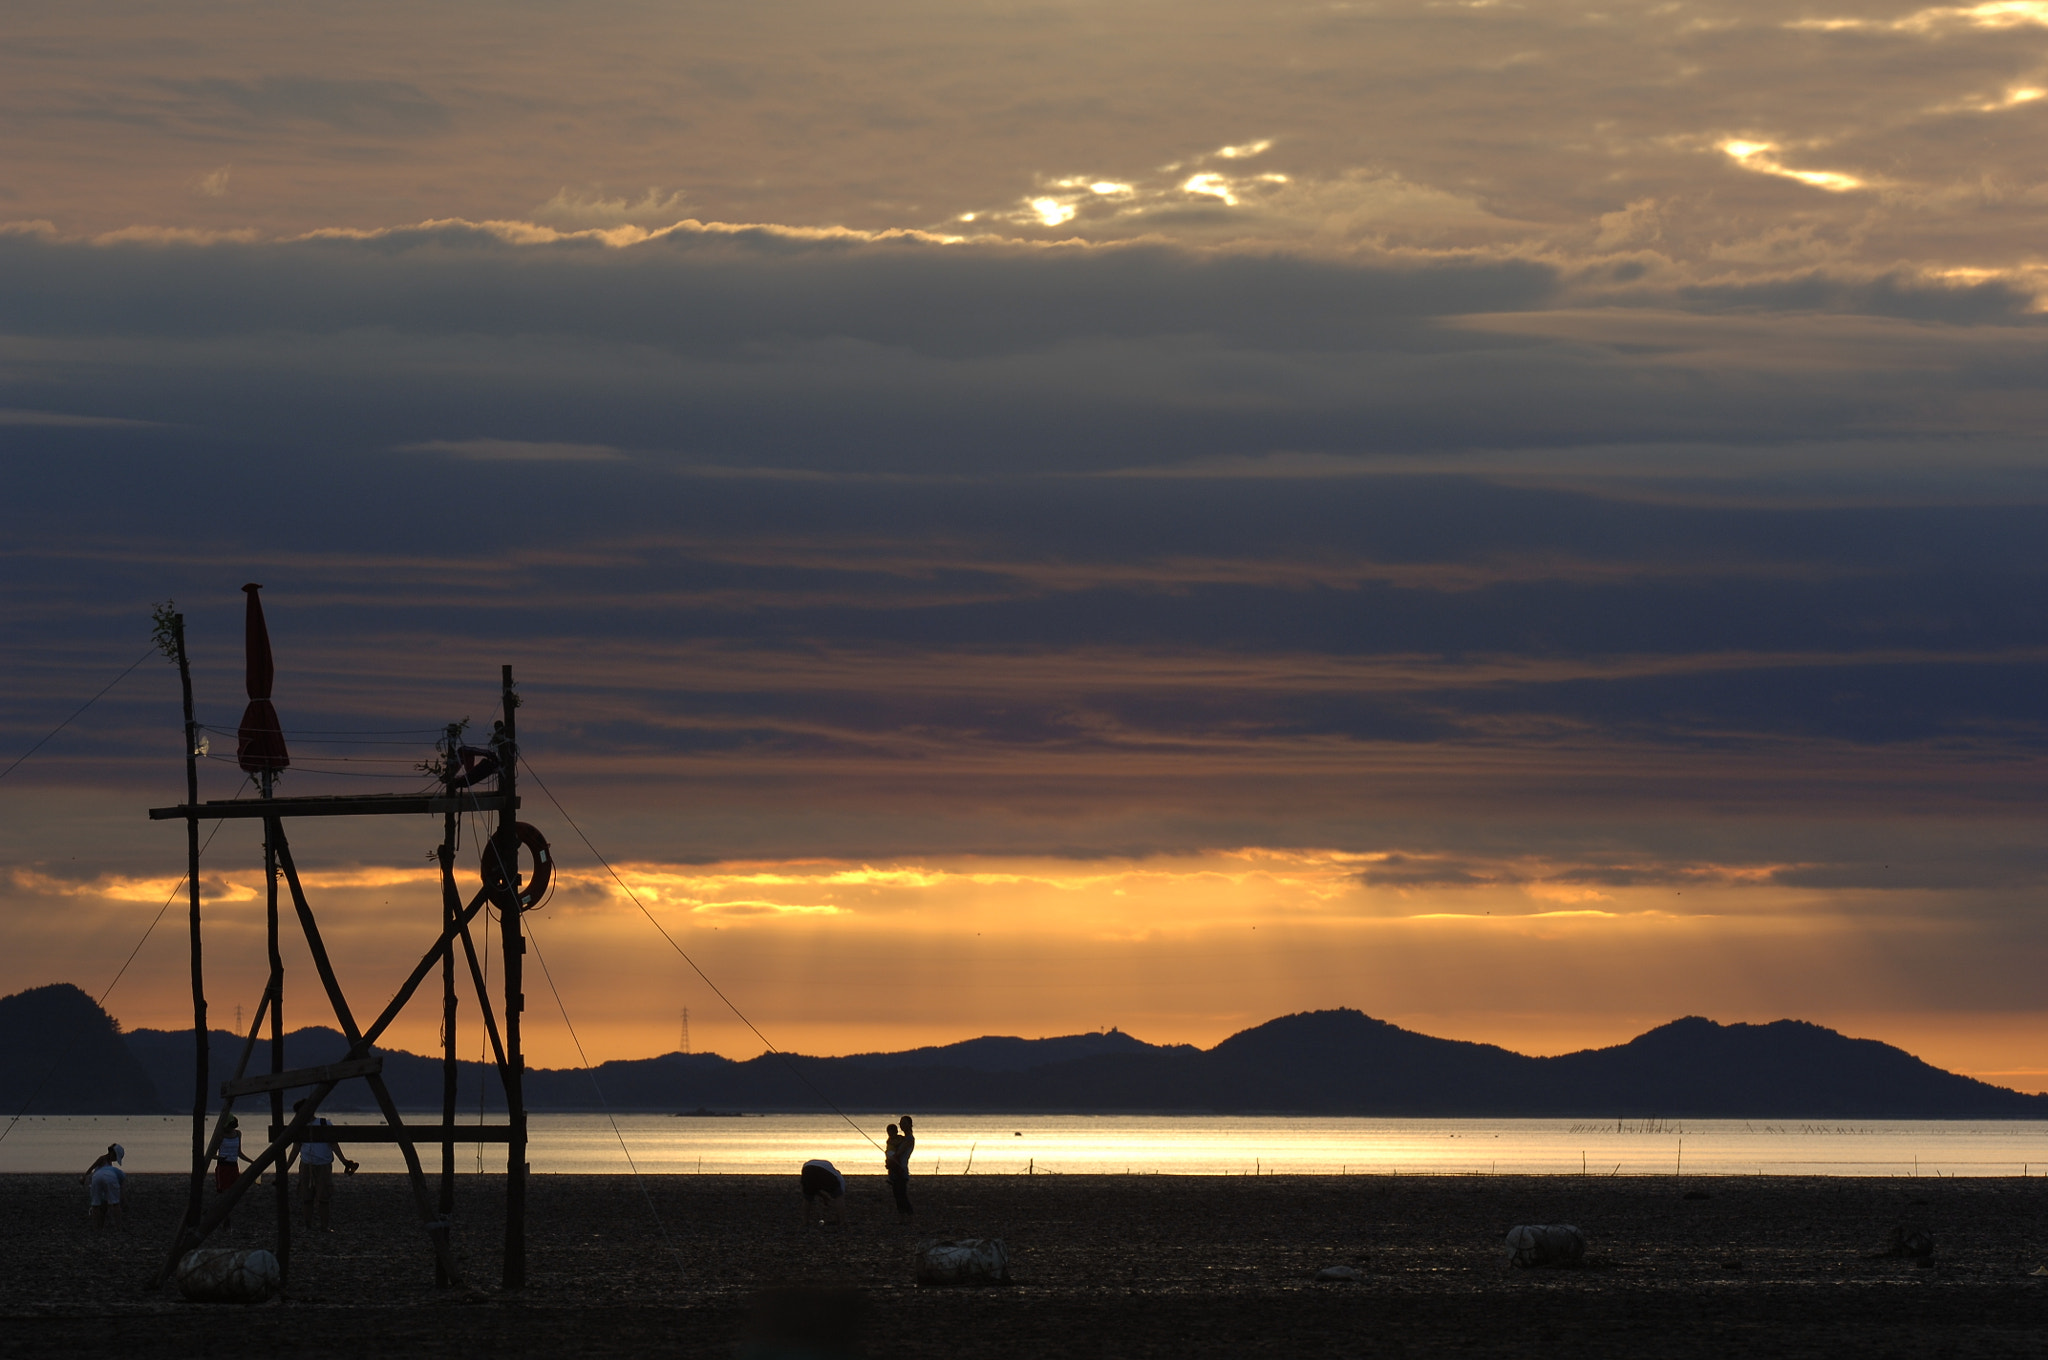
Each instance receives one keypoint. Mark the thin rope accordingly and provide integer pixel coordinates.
(299, 739)
(303, 769)
(591, 1072)
(346, 733)
(80, 709)
(298, 768)
(348, 760)
(795, 1071)
(102, 1003)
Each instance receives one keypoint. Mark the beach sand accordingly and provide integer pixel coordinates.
(1103, 1266)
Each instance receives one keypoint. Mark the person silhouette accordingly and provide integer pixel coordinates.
(892, 1156)
(821, 1181)
(896, 1161)
(104, 1181)
(227, 1164)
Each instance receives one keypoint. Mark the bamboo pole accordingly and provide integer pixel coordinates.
(282, 1193)
(196, 1201)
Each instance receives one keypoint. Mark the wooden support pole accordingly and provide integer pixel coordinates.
(483, 998)
(196, 1200)
(189, 1235)
(281, 1195)
(507, 843)
(327, 805)
(451, 908)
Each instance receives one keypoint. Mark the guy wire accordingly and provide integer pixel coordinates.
(591, 1072)
(795, 1071)
(80, 709)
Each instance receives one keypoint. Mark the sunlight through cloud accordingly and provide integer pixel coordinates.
(1996, 14)
(1758, 156)
(1212, 185)
(1052, 211)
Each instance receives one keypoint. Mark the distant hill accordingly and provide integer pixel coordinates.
(1317, 1062)
(1694, 1067)
(60, 1052)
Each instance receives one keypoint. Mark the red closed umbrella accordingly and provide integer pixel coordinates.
(260, 743)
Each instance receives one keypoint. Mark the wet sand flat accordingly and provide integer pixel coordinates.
(1103, 1266)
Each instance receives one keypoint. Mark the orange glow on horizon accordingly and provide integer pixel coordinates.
(836, 956)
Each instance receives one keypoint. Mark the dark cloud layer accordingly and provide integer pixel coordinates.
(772, 352)
(909, 441)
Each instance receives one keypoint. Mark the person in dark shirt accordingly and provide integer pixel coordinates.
(821, 1181)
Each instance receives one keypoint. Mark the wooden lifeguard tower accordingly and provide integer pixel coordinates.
(472, 780)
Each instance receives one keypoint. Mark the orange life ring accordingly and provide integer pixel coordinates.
(536, 888)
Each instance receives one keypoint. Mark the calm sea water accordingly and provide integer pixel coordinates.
(1163, 1145)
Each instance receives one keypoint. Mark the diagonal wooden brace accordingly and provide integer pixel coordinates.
(436, 1226)
(483, 1000)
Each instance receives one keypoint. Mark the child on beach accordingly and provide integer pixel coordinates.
(104, 1180)
(227, 1165)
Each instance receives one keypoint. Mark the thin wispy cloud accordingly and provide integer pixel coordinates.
(514, 451)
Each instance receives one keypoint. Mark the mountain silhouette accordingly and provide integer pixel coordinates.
(1694, 1067)
(1320, 1062)
(1334, 1062)
(60, 1053)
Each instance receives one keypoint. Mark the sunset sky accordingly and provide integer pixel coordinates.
(1526, 520)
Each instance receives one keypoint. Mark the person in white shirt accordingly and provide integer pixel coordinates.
(316, 1175)
(227, 1165)
(104, 1181)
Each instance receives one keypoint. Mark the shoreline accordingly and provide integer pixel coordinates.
(667, 1144)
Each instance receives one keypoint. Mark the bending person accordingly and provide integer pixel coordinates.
(104, 1180)
(821, 1181)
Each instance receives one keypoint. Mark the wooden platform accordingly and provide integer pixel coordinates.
(336, 805)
